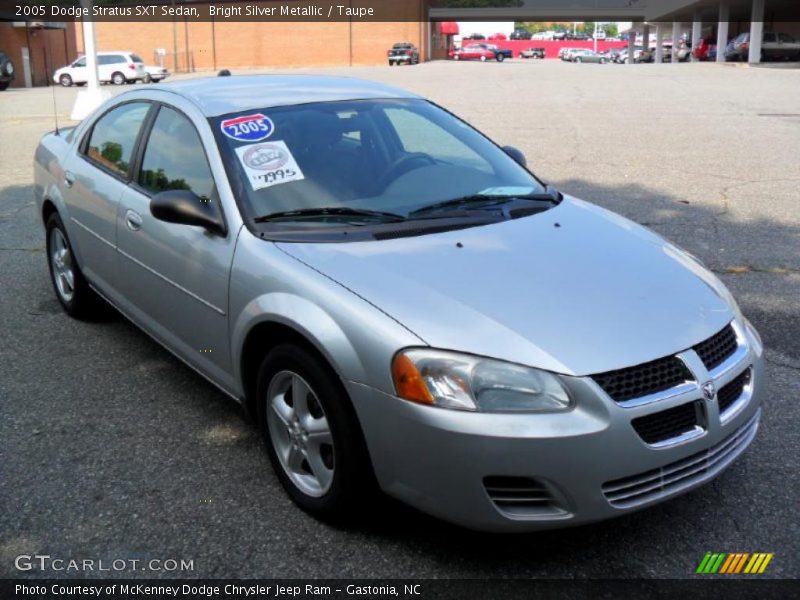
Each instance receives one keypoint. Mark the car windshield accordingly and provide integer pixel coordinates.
(351, 160)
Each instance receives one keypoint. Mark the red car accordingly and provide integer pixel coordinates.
(495, 37)
(474, 52)
(705, 49)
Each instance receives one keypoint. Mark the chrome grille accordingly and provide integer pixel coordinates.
(667, 424)
(732, 391)
(717, 348)
(656, 484)
(645, 379)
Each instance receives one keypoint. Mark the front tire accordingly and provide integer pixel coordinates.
(65, 80)
(72, 290)
(500, 57)
(483, 59)
(312, 434)
(118, 78)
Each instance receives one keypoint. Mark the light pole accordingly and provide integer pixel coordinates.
(594, 37)
(92, 97)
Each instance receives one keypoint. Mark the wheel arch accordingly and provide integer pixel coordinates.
(278, 318)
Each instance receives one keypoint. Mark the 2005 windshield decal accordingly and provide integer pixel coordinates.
(248, 128)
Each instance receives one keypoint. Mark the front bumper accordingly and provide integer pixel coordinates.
(583, 465)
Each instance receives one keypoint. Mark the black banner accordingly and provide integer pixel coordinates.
(401, 589)
(377, 10)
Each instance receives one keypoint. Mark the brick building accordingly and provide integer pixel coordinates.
(37, 49)
(185, 45)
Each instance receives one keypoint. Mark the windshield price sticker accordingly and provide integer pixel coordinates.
(248, 128)
(268, 164)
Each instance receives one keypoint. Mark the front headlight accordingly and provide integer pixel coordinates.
(465, 382)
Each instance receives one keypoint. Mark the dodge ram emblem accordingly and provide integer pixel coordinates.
(709, 391)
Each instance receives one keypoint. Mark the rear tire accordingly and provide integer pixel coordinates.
(118, 78)
(72, 290)
(315, 444)
(500, 57)
(4, 85)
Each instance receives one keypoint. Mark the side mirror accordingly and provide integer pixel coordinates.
(187, 208)
(516, 154)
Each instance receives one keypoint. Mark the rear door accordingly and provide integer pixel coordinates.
(175, 277)
(95, 178)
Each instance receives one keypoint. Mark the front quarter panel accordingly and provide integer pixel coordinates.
(268, 285)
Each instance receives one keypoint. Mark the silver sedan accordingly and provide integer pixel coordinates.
(399, 302)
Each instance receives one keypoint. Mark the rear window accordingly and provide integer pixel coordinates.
(136, 58)
(114, 134)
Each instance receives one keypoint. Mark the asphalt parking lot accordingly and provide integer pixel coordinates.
(111, 448)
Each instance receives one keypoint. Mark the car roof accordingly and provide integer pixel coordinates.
(222, 95)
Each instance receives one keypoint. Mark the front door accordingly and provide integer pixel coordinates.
(175, 277)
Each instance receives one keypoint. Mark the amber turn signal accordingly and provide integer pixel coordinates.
(408, 381)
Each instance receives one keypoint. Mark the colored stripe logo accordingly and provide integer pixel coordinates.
(734, 563)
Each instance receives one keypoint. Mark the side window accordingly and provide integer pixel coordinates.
(117, 59)
(785, 38)
(174, 158)
(418, 134)
(769, 38)
(114, 134)
(103, 60)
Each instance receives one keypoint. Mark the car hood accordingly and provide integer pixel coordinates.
(575, 290)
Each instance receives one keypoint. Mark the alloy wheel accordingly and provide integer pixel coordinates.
(300, 433)
(61, 259)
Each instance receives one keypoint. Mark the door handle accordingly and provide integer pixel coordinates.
(69, 178)
(133, 220)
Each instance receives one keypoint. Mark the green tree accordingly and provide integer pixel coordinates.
(611, 29)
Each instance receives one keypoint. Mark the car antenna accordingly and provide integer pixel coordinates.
(49, 55)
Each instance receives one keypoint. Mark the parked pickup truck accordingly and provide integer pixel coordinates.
(403, 52)
(533, 53)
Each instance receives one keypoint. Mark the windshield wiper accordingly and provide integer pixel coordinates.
(330, 211)
(479, 201)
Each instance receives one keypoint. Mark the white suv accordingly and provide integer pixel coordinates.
(114, 67)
